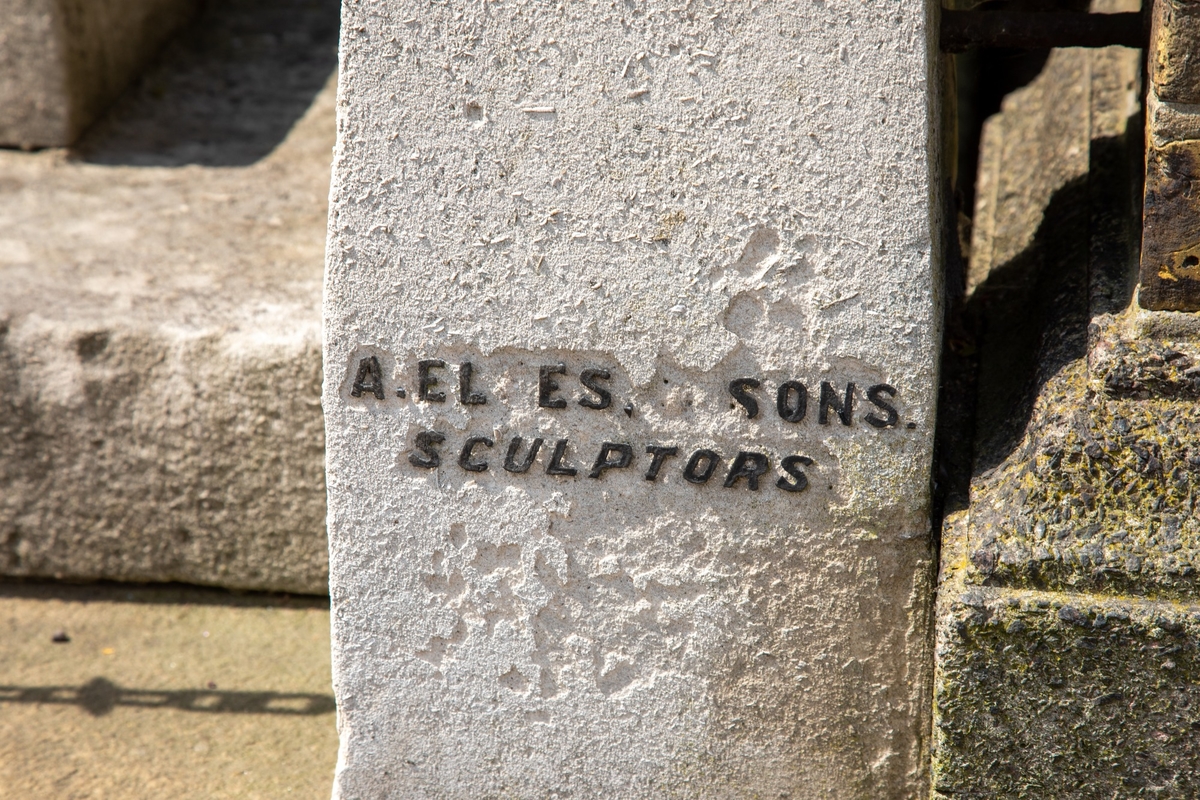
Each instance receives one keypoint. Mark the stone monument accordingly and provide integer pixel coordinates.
(631, 331)
(1068, 613)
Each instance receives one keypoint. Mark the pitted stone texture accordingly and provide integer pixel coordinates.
(1042, 694)
(682, 197)
(1100, 495)
(1170, 273)
(1174, 65)
(160, 363)
(62, 62)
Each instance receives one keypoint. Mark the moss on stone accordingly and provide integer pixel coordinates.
(1046, 695)
(1100, 493)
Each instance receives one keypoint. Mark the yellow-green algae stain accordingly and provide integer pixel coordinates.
(1068, 663)
(1100, 494)
(1046, 695)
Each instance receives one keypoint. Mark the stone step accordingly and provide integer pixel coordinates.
(160, 325)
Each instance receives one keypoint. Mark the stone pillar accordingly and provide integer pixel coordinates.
(62, 62)
(632, 324)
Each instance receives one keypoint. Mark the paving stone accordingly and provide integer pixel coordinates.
(163, 692)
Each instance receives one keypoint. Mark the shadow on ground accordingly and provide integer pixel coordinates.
(226, 91)
(154, 593)
(99, 696)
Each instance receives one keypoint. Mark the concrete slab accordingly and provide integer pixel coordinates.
(163, 692)
(160, 321)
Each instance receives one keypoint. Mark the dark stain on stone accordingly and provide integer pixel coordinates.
(90, 345)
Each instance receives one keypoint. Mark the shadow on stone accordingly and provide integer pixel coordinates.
(1029, 318)
(226, 91)
(99, 696)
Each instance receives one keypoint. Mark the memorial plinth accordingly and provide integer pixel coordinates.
(631, 332)
(1068, 612)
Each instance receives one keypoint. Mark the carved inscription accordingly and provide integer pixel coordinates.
(559, 386)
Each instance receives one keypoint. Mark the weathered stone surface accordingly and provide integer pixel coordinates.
(1066, 617)
(689, 208)
(62, 62)
(1100, 492)
(1092, 517)
(1170, 261)
(1171, 122)
(1042, 694)
(160, 349)
(1170, 243)
(1174, 60)
(1024, 161)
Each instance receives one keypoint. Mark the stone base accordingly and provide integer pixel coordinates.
(1049, 694)
(1067, 618)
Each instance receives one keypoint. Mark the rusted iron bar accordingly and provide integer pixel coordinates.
(967, 30)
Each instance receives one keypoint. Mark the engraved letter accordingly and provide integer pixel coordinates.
(790, 411)
(829, 399)
(624, 455)
(738, 387)
(660, 454)
(510, 460)
(748, 466)
(791, 465)
(603, 397)
(874, 395)
(465, 395)
(368, 379)
(556, 465)
(547, 386)
(427, 456)
(464, 458)
(692, 472)
(425, 381)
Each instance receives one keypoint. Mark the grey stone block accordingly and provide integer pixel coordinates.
(62, 62)
(1042, 694)
(138, 452)
(160, 333)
